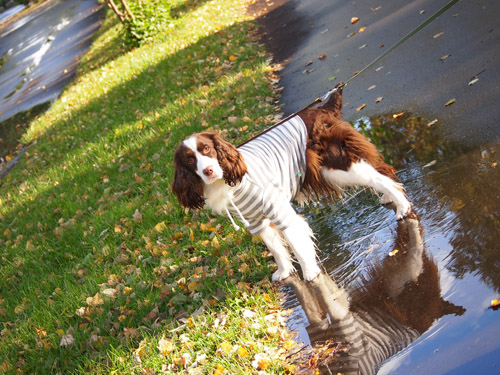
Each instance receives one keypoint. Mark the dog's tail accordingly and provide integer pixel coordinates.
(334, 102)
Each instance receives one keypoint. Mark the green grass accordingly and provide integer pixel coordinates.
(99, 263)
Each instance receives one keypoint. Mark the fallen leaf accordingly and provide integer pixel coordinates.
(433, 122)
(354, 20)
(232, 119)
(67, 340)
(438, 35)
(137, 216)
(322, 56)
(397, 115)
(393, 252)
(309, 63)
(379, 99)
(449, 102)
(351, 34)
(371, 87)
(361, 107)
(225, 348)
(474, 80)
(444, 57)
(219, 370)
(165, 346)
(242, 352)
(160, 227)
(362, 29)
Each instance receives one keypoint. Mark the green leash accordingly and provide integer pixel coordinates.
(325, 97)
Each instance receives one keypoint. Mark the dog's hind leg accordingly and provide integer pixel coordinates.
(362, 173)
(275, 243)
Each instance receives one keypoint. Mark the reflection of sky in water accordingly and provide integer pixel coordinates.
(459, 222)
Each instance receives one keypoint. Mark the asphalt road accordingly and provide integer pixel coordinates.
(439, 64)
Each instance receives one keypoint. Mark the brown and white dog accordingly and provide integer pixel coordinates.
(313, 155)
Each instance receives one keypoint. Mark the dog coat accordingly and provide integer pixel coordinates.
(276, 165)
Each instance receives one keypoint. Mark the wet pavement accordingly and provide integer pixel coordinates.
(419, 290)
(39, 52)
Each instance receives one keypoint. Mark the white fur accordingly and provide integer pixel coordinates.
(203, 162)
(363, 174)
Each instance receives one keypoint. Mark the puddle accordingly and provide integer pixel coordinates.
(419, 289)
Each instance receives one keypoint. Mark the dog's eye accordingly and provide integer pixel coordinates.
(206, 149)
(191, 161)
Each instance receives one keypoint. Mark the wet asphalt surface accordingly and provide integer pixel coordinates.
(39, 53)
(412, 78)
(447, 157)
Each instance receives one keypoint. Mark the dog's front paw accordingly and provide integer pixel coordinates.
(282, 274)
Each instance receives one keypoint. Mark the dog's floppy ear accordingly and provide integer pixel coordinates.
(230, 160)
(187, 186)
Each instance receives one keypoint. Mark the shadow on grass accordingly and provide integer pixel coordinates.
(65, 235)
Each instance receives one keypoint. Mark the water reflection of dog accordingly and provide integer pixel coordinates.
(398, 301)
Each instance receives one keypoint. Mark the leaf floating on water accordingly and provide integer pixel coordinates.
(351, 34)
(450, 102)
(322, 56)
(309, 63)
(430, 164)
(444, 57)
(495, 304)
(397, 115)
(474, 80)
(438, 35)
(361, 107)
(363, 46)
(354, 20)
(379, 99)
(332, 78)
(371, 87)
(362, 29)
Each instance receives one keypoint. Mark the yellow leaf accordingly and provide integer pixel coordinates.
(191, 235)
(215, 242)
(354, 20)
(450, 102)
(160, 227)
(397, 115)
(362, 29)
(361, 107)
(193, 286)
(232, 58)
(289, 345)
(219, 370)
(242, 352)
(393, 252)
(165, 346)
(225, 348)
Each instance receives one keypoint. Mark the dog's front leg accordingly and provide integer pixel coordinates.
(276, 246)
(300, 238)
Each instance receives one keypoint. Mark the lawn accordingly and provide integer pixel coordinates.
(101, 270)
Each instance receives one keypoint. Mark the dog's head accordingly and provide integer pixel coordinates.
(202, 159)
